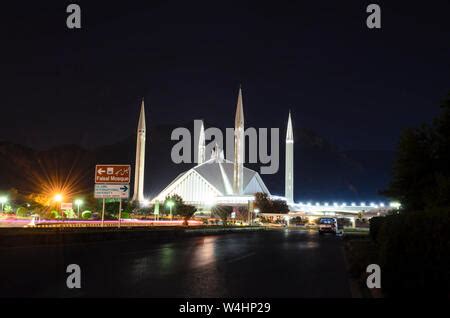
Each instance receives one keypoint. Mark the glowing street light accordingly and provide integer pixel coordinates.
(78, 203)
(3, 200)
(395, 205)
(170, 204)
(58, 197)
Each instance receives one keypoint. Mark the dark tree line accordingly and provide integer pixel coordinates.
(421, 171)
(267, 205)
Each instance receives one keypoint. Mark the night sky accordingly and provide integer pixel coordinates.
(355, 86)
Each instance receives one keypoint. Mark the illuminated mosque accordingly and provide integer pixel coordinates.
(218, 181)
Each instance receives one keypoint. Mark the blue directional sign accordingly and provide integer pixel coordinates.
(112, 191)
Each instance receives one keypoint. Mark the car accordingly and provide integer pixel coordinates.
(327, 225)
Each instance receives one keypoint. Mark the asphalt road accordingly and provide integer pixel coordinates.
(278, 263)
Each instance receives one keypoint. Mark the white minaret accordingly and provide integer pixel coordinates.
(239, 147)
(139, 167)
(201, 157)
(289, 182)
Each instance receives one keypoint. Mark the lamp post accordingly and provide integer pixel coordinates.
(58, 199)
(78, 203)
(170, 204)
(3, 200)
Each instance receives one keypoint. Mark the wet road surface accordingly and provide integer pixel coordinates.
(274, 263)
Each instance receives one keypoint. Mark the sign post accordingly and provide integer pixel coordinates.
(120, 211)
(112, 182)
(103, 212)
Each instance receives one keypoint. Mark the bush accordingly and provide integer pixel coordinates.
(54, 215)
(414, 251)
(21, 212)
(86, 215)
(375, 226)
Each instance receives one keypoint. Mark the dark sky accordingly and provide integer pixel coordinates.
(355, 86)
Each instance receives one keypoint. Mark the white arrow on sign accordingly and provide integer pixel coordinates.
(101, 171)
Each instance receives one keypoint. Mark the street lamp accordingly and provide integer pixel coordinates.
(78, 203)
(170, 204)
(3, 200)
(58, 199)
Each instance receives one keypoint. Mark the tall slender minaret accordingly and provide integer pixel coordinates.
(139, 167)
(239, 147)
(289, 182)
(201, 157)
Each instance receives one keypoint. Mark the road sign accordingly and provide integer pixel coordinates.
(66, 206)
(111, 191)
(112, 174)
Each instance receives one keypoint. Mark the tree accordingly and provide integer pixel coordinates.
(176, 199)
(421, 170)
(242, 213)
(70, 214)
(186, 211)
(279, 206)
(262, 202)
(21, 211)
(222, 212)
(266, 205)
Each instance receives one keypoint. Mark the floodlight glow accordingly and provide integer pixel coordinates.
(372, 204)
(395, 205)
(382, 205)
(210, 201)
(317, 204)
(170, 204)
(78, 202)
(146, 203)
(363, 204)
(335, 204)
(3, 200)
(58, 197)
(353, 204)
(256, 211)
(326, 203)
